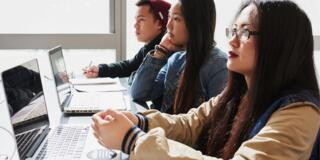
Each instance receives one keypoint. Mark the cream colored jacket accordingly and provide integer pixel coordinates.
(289, 134)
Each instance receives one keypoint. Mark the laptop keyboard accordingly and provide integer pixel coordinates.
(65, 142)
(26, 140)
(84, 100)
(86, 103)
(90, 102)
(83, 110)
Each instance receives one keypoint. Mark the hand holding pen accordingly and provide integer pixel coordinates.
(91, 71)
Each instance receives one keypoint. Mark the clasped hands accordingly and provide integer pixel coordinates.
(110, 127)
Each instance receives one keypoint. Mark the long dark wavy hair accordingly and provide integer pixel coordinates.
(284, 61)
(200, 19)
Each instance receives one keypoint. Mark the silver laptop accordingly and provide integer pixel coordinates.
(35, 139)
(74, 102)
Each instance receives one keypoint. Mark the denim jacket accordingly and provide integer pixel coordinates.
(158, 78)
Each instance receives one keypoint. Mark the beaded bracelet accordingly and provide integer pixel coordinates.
(164, 48)
(163, 51)
(159, 48)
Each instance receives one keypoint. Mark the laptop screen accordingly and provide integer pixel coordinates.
(60, 73)
(26, 103)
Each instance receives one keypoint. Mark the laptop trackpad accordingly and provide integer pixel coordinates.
(100, 154)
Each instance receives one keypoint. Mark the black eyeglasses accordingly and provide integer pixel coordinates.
(241, 34)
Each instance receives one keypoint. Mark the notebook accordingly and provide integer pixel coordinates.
(84, 81)
(73, 102)
(35, 138)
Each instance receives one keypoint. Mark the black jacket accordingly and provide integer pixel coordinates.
(127, 67)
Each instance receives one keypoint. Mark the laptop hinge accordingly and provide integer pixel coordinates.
(67, 101)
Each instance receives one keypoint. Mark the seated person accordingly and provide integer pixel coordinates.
(270, 108)
(150, 26)
(187, 78)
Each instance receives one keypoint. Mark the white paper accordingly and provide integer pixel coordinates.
(84, 81)
(100, 88)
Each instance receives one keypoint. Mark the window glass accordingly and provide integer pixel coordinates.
(54, 16)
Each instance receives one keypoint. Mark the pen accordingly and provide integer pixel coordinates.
(85, 69)
(89, 64)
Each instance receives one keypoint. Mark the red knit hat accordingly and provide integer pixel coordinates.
(161, 10)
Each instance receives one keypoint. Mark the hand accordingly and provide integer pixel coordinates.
(168, 44)
(133, 118)
(110, 127)
(91, 72)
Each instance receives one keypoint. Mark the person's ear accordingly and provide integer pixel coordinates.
(159, 26)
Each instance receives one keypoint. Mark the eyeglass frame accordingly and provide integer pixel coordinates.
(237, 33)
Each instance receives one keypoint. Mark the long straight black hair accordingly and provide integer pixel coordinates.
(284, 61)
(200, 19)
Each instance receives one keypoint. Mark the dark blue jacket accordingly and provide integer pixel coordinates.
(158, 79)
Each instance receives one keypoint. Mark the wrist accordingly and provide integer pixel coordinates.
(164, 48)
(142, 122)
(159, 54)
(103, 70)
(162, 52)
(130, 138)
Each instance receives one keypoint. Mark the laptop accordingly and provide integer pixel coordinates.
(35, 139)
(74, 102)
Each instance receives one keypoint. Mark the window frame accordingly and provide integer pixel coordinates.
(113, 40)
(316, 39)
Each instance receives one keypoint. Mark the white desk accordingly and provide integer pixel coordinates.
(74, 62)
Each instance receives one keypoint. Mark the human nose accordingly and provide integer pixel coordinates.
(135, 24)
(234, 41)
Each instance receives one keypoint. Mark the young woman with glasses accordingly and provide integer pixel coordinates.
(270, 108)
